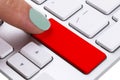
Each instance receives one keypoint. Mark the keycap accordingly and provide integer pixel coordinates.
(39, 1)
(89, 22)
(61, 10)
(109, 40)
(5, 48)
(36, 54)
(45, 76)
(105, 6)
(23, 66)
(71, 47)
(116, 16)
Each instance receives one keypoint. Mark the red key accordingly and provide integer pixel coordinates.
(71, 47)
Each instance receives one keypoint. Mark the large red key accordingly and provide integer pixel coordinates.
(71, 47)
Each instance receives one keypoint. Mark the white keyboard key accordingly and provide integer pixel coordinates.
(110, 40)
(39, 1)
(89, 22)
(105, 6)
(22, 66)
(45, 76)
(116, 16)
(36, 54)
(5, 48)
(113, 73)
(63, 9)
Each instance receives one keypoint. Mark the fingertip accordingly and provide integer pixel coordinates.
(39, 20)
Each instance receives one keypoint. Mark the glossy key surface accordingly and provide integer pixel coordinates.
(63, 9)
(71, 47)
(104, 6)
(22, 65)
(36, 54)
(5, 48)
(109, 40)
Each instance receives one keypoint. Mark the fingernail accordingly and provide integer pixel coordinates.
(39, 20)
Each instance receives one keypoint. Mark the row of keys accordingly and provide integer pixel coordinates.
(104, 6)
(23, 62)
(85, 22)
(65, 11)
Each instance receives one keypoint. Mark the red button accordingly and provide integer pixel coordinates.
(71, 47)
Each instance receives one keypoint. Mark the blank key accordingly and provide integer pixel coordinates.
(63, 9)
(23, 66)
(109, 40)
(89, 22)
(36, 54)
(5, 48)
(105, 6)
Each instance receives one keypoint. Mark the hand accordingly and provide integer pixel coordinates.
(17, 13)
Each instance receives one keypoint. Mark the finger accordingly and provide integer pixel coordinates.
(19, 14)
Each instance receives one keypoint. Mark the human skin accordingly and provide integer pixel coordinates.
(16, 13)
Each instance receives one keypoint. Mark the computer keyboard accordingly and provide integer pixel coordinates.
(81, 44)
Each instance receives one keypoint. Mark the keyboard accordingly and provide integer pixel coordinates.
(81, 44)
